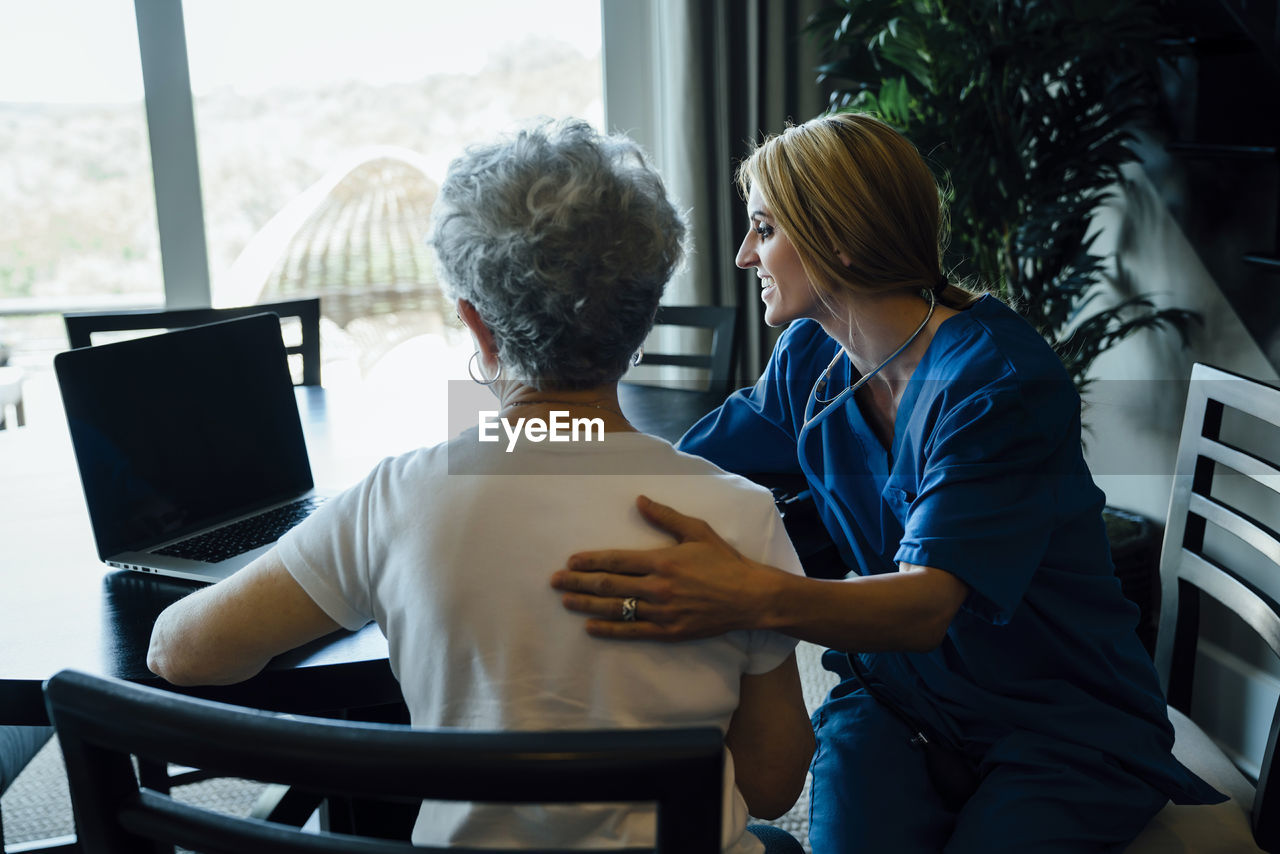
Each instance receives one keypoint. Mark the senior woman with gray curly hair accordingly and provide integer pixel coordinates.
(556, 243)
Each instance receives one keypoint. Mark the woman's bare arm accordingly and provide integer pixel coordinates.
(228, 631)
(702, 586)
(771, 740)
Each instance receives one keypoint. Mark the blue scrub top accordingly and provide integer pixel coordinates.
(985, 478)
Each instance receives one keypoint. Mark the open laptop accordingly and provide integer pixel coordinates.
(189, 446)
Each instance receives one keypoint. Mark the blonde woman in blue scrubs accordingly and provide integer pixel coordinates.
(940, 437)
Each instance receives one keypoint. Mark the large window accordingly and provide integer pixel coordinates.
(322, 129)
(79, 222)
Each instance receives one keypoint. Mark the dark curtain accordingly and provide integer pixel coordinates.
(751, 70)
(698, 82)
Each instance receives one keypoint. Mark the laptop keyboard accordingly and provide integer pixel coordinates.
(239, 537)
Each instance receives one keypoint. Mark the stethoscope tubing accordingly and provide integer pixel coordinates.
(811, 418)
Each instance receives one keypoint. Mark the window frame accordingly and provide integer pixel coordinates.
(175, 168)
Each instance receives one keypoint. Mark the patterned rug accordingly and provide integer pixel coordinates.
(37, 805)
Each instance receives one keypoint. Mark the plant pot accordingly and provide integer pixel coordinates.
(1135, 551)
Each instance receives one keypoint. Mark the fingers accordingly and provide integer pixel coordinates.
(609, 620)
(608, 608)
(653, 620)
(683, 528)
(621, 561)
(603, 584)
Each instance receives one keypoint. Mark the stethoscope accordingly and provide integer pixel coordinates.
(811, 418)
(821, 385)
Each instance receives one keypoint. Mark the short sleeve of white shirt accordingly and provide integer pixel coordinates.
(766, 650)
(330, 553)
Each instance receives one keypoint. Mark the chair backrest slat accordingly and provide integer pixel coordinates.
(153, 816)
(1257, 610)
(1248, 529)
(103, 722)
(81, 326)
(721, 322)
(1250, 465)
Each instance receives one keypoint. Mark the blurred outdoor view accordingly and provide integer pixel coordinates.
(323, 131)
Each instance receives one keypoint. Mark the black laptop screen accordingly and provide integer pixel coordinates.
(178, 431)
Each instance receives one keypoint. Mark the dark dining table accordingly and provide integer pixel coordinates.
(61, 607)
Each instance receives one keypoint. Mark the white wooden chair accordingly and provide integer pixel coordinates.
(1220, 542)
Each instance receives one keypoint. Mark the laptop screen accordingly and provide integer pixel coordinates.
(178, 431)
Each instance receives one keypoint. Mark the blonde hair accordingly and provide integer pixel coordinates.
(848, 183)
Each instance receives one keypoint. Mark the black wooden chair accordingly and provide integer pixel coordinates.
(81, 326)
(102, 722)
(717, 360)
(1220, 543)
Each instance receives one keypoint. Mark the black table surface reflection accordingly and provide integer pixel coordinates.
(60, 607)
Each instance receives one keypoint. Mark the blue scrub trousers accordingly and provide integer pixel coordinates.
(872, 794)
(775, 839)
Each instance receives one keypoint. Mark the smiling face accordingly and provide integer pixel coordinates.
(785, 287)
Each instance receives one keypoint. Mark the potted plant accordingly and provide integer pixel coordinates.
(1025, 108)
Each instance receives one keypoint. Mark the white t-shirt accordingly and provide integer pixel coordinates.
(451, 548)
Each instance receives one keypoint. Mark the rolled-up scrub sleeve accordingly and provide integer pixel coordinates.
(755, 430)
(987, 499)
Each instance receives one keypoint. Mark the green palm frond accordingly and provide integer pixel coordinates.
(1026, 110)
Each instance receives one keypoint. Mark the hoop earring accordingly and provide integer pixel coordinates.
(472, 370)
(637, 356)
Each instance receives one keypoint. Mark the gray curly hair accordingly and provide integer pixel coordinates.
(563, 240)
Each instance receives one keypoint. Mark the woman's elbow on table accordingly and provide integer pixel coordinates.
(228, 632)
(163, 661)
(177, 655)
(167, 662)
(164, 653)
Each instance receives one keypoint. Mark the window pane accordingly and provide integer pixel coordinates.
(79, 228)
(325, 128)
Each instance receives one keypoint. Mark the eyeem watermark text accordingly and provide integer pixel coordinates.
(560, 428)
